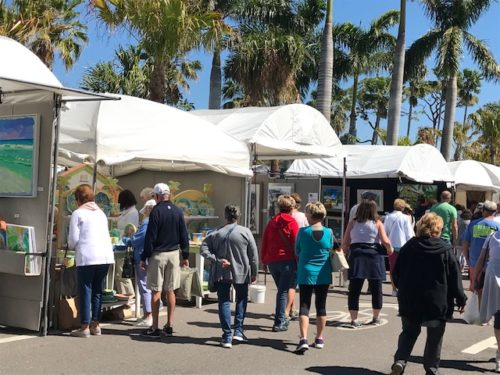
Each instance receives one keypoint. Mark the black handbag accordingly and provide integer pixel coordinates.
(128, 264)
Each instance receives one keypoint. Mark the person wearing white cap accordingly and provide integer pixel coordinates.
(165, 236)
(137, 243)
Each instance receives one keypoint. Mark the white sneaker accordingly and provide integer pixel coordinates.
(144, 322)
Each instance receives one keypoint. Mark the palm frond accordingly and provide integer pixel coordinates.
(483, 57)
(420, 51)
(384, 22)
(449, 52)
(474, 9)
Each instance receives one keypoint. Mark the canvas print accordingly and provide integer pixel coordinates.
(254, 208)
(331, 197)
(411, 192)
(379, 200)
(18, 238)
(18, 156)
(274, 190)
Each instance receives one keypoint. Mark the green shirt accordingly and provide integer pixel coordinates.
(448, 213)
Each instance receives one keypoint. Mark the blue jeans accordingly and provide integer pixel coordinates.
(285, 277)
(223, 292)
(90, 285)
(141, 279)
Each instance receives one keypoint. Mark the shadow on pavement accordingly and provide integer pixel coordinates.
(341, 370)
(248, 327)
(248, 314)
(465, 365)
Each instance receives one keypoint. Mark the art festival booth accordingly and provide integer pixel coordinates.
(30, 101)
(474, 181)
(285, 132)
(139, 143)
(388, 171)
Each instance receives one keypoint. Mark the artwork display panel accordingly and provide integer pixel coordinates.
(335, 223)
(411, 192)
(274, 190)
(379, 200)
(18, 155)
(331, 197)
(254, 208)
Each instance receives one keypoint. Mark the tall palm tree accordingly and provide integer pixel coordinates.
(452, 22)
(396, 93)
(325, 76)
(417, 88)
(166, 30)
(56, 29)
(486, 121)
(469, 85)
(14, 25)
(367, 51)
(462, 135)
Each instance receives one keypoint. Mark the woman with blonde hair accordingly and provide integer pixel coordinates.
(362, 243)
(278, 253)
(314, 272)
(428, 279)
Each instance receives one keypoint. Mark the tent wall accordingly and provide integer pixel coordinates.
(21, 296)
(226, 189)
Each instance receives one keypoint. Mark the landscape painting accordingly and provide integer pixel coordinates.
(18, 156)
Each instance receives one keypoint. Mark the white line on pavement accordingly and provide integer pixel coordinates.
(481, 345)
(15, 338)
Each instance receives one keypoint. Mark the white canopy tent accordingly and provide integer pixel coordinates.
(475, 175)
(132, 133)
(286, 132)
(421, 163)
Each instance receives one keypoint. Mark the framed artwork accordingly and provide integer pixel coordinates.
(411, 192)
(18, 156)
(274, 190)
(254, 208)
(335, 223)
(379, 200)
(331, 197)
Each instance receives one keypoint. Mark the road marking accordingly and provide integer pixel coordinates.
(16, 338)
(490, 343)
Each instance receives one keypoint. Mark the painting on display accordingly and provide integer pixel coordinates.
(335, 223)
(379, 200)
(254, 208)
(274, 190)
(18, 156)
(331, 197)
(411, 192)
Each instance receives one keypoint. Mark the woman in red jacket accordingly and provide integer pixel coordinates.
(277, 252)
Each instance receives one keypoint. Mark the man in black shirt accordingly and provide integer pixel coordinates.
(165, 237)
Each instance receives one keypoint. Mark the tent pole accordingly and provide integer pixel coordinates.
(51, 205)
(344, 198)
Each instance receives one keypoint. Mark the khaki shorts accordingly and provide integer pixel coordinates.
(164, 271)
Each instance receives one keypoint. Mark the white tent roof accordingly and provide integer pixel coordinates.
(23, 77)
(474, 175)
(134, 133)
(421, 163)
(285, 132)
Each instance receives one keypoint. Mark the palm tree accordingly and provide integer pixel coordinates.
(462, 136)
(325, 77)
(452, 21)
(55, 28)
(396, 93)
(417, 89)
(166, 30)
(14, 25)
(366, 51)
(469, 83)
(486, 121)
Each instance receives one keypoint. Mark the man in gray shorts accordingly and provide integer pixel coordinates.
(165, 237)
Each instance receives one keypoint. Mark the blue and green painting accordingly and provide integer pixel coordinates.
(17, 156)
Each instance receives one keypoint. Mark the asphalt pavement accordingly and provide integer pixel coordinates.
(195, 347)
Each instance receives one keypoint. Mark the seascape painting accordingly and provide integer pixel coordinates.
(18, 156)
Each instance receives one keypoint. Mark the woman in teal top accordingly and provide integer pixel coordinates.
(314, 272)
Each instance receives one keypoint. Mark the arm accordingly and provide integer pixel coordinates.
(383, 237)
(264, 246)
(455, 280)
(183, 237)
(466, 242)
(150, 237)
(297, 244)
(346, 240)
(397, 268)
(206, 248)
(74, 231)
(454, 231)
(253, 256)
(294, 231)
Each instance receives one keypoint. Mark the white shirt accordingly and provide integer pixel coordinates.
(128, 216)
(89, 236)
(300, 218)
(352, 213)
(398, 227)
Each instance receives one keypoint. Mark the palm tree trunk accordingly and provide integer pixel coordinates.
(396, 93)
(215, 95)
(465, 113)
(449, 116)
(409, 122)
(325, 74)
(157, 83)
(352, 121)
(375, 130)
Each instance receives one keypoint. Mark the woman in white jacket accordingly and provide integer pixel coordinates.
(89, 236)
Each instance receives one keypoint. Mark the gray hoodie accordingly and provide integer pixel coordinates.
(236, 244)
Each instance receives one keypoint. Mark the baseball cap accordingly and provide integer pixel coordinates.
(489, 206)
(149, 203)
(161, 189)
(368, 195)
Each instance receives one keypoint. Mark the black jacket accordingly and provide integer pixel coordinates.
(428, 280)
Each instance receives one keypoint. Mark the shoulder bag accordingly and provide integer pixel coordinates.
(337, 258)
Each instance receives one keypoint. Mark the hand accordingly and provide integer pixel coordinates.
(461, 309)
(142, 265)
(225, 263)
(185, 263)
(253, 279)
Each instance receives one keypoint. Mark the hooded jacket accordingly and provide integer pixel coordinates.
(428, 280)
(279, 247)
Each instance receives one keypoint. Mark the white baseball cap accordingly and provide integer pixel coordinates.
(161, 189)
(149, 203)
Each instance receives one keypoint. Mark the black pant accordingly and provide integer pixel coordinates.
(355, 286)
(306, 291)
(432, 352)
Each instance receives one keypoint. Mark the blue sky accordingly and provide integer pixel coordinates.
(102, 44)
